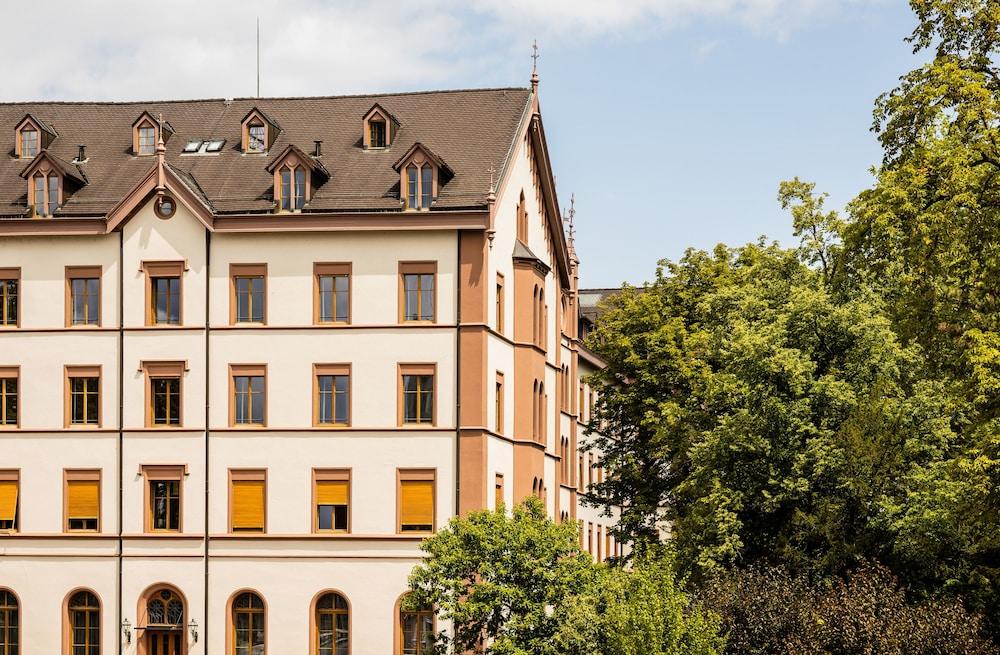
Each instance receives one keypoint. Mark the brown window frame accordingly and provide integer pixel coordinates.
(137, 143)
(419, 617)
(247, 475)
(246, 271)
(159, 370)
(21, 142)
(419, 370)
(500, 303)
(417, 268)
(250, 126)
(416, 475)
(320, 370)
(81, 371)
(330, 475)
(162, 473)
(246, 370)
(10, 373)
(499, 403)
(84, 273)
(81, 475)
(331, 269)
(10, 275)
(155, 270)
(13, 475)
(498, 491)
(295, 202)
(93, 618)
(47, 178)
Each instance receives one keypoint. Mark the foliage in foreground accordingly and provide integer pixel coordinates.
(769, 612)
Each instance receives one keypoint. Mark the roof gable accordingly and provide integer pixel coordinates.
(66, 169)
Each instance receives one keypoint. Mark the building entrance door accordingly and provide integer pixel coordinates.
(159, 642)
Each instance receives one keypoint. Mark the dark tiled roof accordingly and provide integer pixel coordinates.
(469, 129)
(590, 302)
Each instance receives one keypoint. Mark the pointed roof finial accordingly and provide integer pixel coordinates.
(534, 65)
(160, 146)
(571, 227)
(493, 185)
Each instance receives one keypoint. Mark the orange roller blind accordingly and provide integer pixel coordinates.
(331, 493)
(8, 499)
(82, 499)
(417, 500)
(248, 505)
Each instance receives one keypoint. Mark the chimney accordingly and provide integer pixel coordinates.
(81, 155)
(318, 152)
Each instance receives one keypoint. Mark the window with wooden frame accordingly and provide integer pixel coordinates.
(164, 398)
(83, 624)
(248, 395)
(415, 500)
(83, 296)
(333, 293)
(9, 623)
(258, 132)
(146, 132)
(376, 132)
(332, 395)
(31, 137)
(421, 173)
(81, 500)
(499, 303)
(247, 500)
(378, 129)
(45, 193)
(256, 136)
(331, 500)
(417, 292)
(249, 621)
(83, 396)
(416, 394)
(498, 496)
(164, 497)
(248, 301)
(498, 403)
(590, 537)
(10, 488)
(419, 186)
(163, 292)
(522, 220)
(292, 187)
(10, 297)
(416, 631)
(28, 142)
(332, 623)
(10, 377)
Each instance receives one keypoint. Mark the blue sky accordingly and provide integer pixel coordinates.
(673, 121)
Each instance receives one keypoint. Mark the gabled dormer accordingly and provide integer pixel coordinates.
(31, 136)
(146, 134)
(296, 176)
(379, 128)
(259, 132)
(421, 174)
(50, 180)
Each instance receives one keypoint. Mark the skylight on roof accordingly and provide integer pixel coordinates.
(192, 146)
(204, 146)
(215, 145)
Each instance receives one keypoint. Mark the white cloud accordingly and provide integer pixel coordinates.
(103, 49)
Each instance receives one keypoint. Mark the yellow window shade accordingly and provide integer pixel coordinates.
(331, 493)
(248, 504)
(82, 499)
(8, 500)
(417, 500)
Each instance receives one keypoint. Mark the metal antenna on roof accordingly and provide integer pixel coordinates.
(258, 56)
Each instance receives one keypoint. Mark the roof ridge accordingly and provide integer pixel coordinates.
(252, 98)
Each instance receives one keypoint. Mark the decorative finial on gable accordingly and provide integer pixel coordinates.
(534, 65)
(161, 150)
(491, 199)
(571, 227)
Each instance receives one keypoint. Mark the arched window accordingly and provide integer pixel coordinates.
(541, 411)
(9, 623)
(45, 195)
(411, 187)
(522, 220)
(426, 186)
(416, 631)
(84, 617)
(249, 627)
(534, 410)
(161, 621)
(332, 625)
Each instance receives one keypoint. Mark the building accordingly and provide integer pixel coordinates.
(254, 350)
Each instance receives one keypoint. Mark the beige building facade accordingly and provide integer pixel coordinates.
(254, 351)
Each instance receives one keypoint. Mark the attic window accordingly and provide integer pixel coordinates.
(421, 174)
(379, 128)
(255, 137)
(376, 133)
(45, 193)
(292, 188)
(147, 140)
(29, 142)
(419, 186)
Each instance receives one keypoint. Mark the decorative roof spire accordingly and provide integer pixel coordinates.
(491, 199)
(571, 228)
(534, 66)
(161, 151)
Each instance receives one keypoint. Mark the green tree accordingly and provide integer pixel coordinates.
(501, 580)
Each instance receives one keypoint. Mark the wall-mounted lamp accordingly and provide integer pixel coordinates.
(127, 631)
(194, 630)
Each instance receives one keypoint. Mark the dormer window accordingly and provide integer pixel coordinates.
(259, 132)
(296, 175)
(29, 142)
(147, 140)
(421, 175)
(46, 178)
(146, 134)
(46, 193)
(31, 136)
(380, 128)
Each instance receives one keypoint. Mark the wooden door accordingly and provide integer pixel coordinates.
(163, 643)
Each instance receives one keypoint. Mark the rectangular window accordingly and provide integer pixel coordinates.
(10, 283)
(163, 292)
(163, 393)
(376, 134)
(332, 500)
(300, 187)
(415, 500)
(83, 395)
(248, 394)
(247, 500)
(332, 394)
(248, 304)
(29, 143)
(333, 293)
(10, 486)
(255, 141)
(147, 140)
(498, 409)
(417, 394)
(82, 500)
(163, 497)
(416, 291)
(498, 491)
(83, 295)
(9, 383)
(500, 299)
